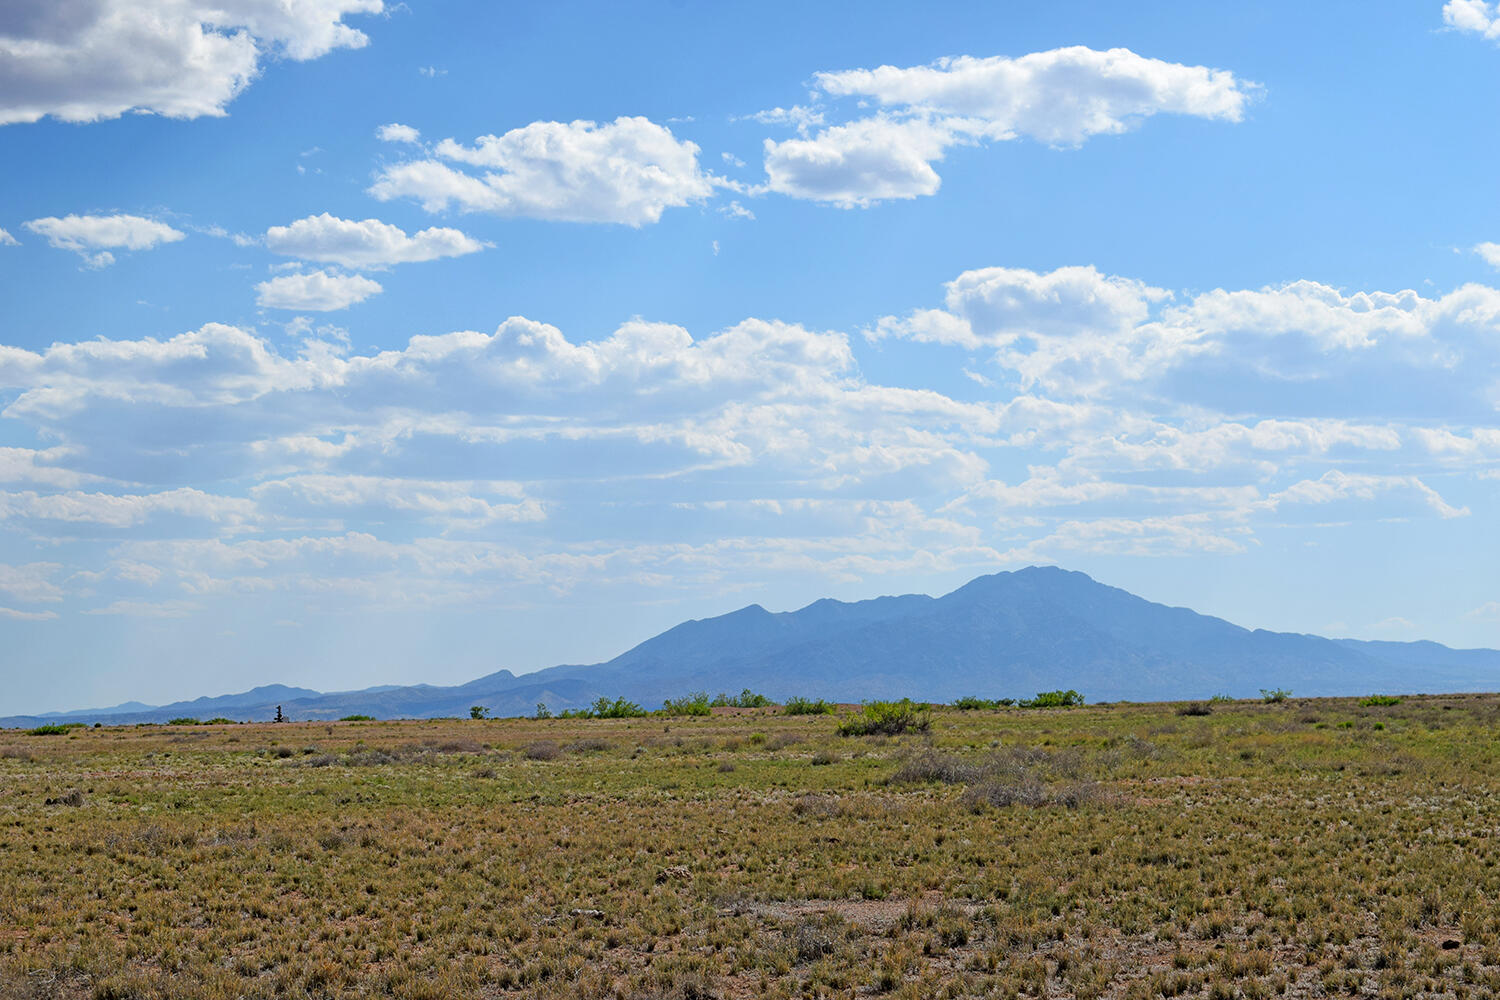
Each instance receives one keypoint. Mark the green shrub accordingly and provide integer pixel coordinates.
(1379, 700)
(970, 703)
(1054, 699)
(1273, 695)
(220, 720)
(478, 712)
(605, 708)
(50, 730)
(888, 718)
(1220, 699)
(358, 718)
(696, 703)
(1195, 708)
(807, 706)
(184, 720)
(745, 699)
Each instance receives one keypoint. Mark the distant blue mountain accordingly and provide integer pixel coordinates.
(1009, 634)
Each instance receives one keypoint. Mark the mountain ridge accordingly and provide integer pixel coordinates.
(1004, 634)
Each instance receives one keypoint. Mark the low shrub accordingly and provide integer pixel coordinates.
(50, 730)
(1030, 792)
(220, 720)
(695, 703)
(970, 703)
(1381, 700)
(745, 699)
(1274, 695)
(541, 750)
(933, 766)
(73, 798)
(1195, 708)
(888, 718)
(807, 706)
(606, 708)
(184, 720)
(1054, 699)
(357, 718)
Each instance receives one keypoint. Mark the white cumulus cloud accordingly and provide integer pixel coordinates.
(627, 171)
(1060, 97)
(1477, 16)
(7, 240)
(874, 159)
(396, 132)
(86, 60)
(368, 243)
(315, 291)
(94, 236)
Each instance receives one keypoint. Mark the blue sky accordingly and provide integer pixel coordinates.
(347, 342)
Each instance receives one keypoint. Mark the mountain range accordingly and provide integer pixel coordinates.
(1004, 635)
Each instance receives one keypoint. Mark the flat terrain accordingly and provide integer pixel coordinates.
(1303, 848)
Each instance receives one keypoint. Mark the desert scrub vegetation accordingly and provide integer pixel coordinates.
(1119, 851)
(808, 706)
(887, 718)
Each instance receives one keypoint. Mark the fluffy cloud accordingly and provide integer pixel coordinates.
(7, 240)
(627, 171)
(1060, 97)
(317, 291)
(858, 164)
(84, 61)
(396, 132)
(1075, 331)
(474, 468)
(1490, 252)
(1477, 16)
(93, 236)
(369, 244)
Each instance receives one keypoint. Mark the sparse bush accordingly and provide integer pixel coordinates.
(970, 703)
(1274, 695)
(933, 766)
(184, 720)
(605, 708)
(745, 699)
(824, 757)
(1030, 792)
(358, 718)
(1220, 699)
(50, 730)
(807, 706)
(888, 718)
(478, 712)
(589, 744)
(220, 720)
(1195, 708)
(541, 750)
(696, 703)
(1381, 700)
(1054, 699)
(73, 798)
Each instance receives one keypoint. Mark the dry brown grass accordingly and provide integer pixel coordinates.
(1296, 849)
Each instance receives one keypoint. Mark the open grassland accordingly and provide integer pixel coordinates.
(1302, 848)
